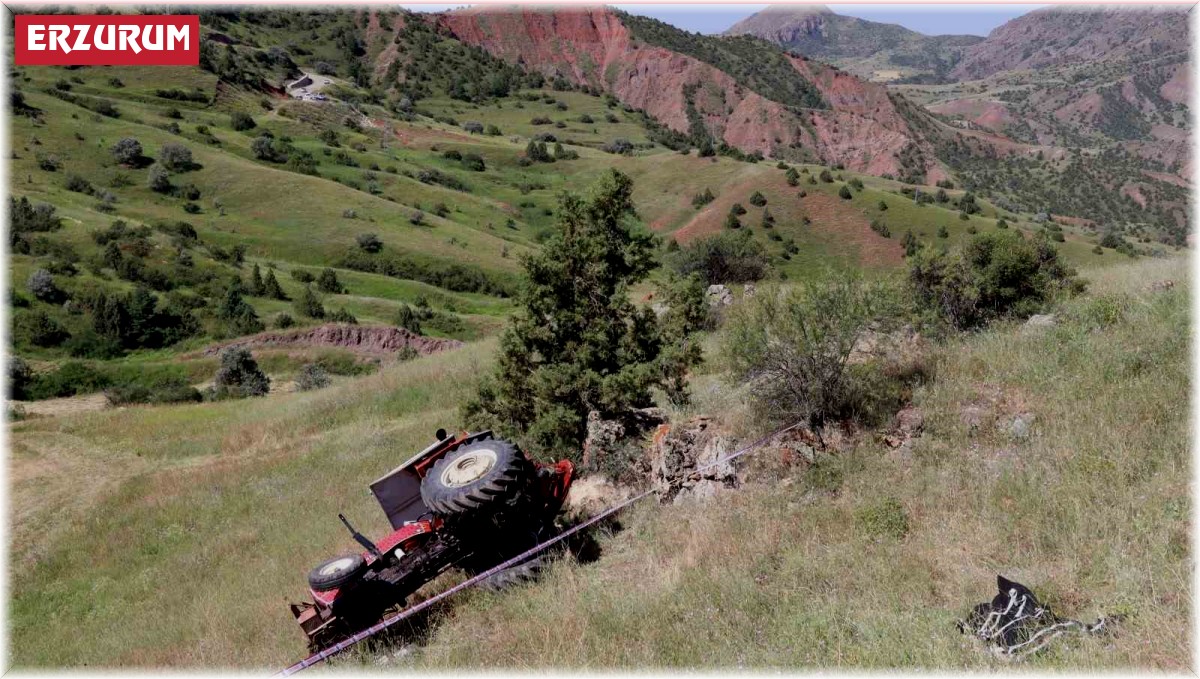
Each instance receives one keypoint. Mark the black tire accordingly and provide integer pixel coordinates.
(336, 572)
(478, 476)
(514, 576)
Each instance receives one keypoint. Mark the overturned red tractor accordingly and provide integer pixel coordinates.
(470, 501)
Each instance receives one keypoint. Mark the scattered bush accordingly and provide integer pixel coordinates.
(369, 242)
(159, 179)
(757, 199)
(618, 146)
(241, 122)
(728, 257)
(42, 286)
(844, 192)
(995, 274)
(701, 199)
(312, 376)
(791, 345)
(41, 330)
(408, 319)
(309, 305)
(175, 157)
(127, 151)
(79, 184)
(239, 375)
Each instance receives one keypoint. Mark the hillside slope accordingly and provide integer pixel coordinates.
(1060, 36)
(178, 532)
(739, 91)
(868, 49)
(796, 572)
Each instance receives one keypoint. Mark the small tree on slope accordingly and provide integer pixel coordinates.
(578, 343)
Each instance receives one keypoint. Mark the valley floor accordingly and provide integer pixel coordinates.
(174, 535)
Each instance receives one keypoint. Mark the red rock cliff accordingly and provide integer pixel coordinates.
(591, 46)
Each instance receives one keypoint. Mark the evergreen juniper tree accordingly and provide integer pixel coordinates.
(271, 287)
(578, 343)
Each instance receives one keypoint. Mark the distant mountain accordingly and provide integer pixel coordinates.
(869, 49)
(739, 91)
(1112, 80)
(1064, 36)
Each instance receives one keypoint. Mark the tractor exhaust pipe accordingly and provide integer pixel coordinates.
(361, 539)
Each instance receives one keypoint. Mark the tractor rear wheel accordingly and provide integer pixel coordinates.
(336, 572)
(478, 476)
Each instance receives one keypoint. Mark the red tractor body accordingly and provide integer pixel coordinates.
(469, 500)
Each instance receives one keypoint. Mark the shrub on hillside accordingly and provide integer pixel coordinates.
(701, 199)
(175, 157)
(127, 151)
(172, 389)
(474, 162)
(618, 146)
(78, 184)
(327, 282)
(757, 199)
(790, 347)
(728, 257)
(159, 179)
(995, 274)
(308, 304)
(239, 375)
(240, 121)
(71, 378)
(844, 193)
(20, 375)
(368, 242)
(312, 376)
(41, 330)
(43, 288)
(407, 318)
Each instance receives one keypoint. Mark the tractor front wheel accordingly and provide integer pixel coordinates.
(479, 476)
(336, 572)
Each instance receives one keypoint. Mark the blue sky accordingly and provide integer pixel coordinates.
(974, 19)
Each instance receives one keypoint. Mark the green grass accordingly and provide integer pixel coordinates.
(178, 532)
(1091, 511)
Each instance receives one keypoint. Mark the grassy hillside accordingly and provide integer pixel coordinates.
(374, 170)
(172, 535)
(179, 541)
(1092, 511)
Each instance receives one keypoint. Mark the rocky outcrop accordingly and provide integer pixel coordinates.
(685, 461)
(366, 339)
(718, 296)
(607, 437)
(591, 46)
